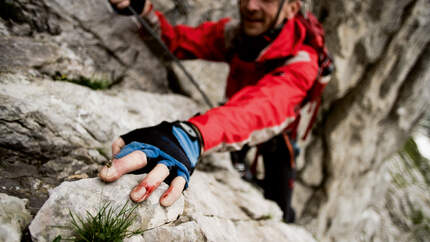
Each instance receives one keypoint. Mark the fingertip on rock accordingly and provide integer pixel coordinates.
(134, 198)
(108, 174)
(164, 202)
(138, 194)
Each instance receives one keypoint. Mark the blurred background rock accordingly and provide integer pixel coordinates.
(73, 76)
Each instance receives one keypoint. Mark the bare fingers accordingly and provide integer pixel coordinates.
(131, 162)
(174, 192)
(120, 3)
(147, 8)
(149, 183)
(117, 146)
(137, 160)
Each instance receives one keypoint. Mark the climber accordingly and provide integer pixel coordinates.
(272, 70)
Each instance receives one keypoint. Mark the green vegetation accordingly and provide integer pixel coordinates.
(95, 84)
(399, 180)
(265, 217)
(414, 160)
(417, 216)
(411, 175)
(421, 223)
(102, 152)
(108, 224)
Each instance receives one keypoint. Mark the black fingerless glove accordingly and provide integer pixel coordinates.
(176, 145)
(137, 5)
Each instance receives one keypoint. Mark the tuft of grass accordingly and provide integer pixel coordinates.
(95, 84)
(265, 217)
(414, 160)
(109, 224)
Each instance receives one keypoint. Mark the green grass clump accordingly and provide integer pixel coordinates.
(95, 84)
(108, 224)
(414, 160)
(265, 217)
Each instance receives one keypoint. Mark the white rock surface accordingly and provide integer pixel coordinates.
(378, 91)
(217, 207)
(89, 195)
(14, 217)
(68, 129)
(226, 196)
(210, 76)
(184, 231)
(209, 228)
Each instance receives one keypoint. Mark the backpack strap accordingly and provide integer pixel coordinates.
(315, 39)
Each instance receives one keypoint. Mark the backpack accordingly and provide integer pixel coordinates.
(315, 38)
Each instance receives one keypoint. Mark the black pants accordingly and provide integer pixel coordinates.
(279, 175)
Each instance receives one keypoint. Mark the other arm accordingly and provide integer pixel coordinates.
(257, 113)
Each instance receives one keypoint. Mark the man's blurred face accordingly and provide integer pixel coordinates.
(257, 16)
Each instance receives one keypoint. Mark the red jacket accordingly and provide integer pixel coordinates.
(262, 101)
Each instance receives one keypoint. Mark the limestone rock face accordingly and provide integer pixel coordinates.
(377, 94)
(209, 210)
(52, 130)
(82, 40)
(203, 228)
(14, 217)
(211, 77)
(68, 130)
(89, 195)
(59, 131)
(195, 12)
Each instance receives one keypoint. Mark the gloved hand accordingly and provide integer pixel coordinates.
(168, 150)
(120, 6)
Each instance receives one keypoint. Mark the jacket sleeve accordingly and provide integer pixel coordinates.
(257, 113)
(203, 42)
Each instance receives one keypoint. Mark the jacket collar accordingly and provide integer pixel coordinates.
(287, 43)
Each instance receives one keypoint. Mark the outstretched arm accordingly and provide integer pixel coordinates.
(257, 113)
(202, 42)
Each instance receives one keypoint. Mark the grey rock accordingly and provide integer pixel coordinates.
(164, 5)
(272, 231)
(211, 228)
(78, 135)
(88, 195)
(178, 231)
(377, 94)
(210, 76)
(25, 52)
(3, 29)
(134, 238)
(405, 200)
(301, 195)
(216, 162)
(57, 129)
(112, 42)
(225, 195)
(14, 217)
(21, 54)
(194, 12)
(220, 206)
(312, 174)
(216, 207)
(94, 43)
